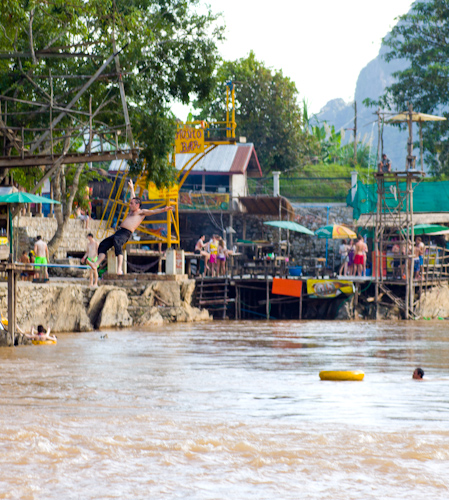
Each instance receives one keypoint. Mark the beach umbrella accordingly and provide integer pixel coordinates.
(292, 226)
(414, 116)
(21, 197)
(335, 232)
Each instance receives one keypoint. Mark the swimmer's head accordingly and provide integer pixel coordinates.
(90, 235)
(418, 374)
(40, 329)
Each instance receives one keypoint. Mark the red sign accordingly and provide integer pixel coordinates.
(291, 288)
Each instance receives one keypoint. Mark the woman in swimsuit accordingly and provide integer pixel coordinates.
(200, 249)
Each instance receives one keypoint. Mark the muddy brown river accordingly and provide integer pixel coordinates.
(228, 410)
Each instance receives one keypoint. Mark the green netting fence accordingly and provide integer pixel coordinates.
(427, 197)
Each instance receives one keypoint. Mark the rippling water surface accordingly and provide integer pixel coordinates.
(228, 410)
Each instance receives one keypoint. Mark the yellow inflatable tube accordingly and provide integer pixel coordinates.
(341, 375)
(41, 342)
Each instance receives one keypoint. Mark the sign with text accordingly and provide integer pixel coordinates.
(189, 140)
(329, 288)
(203, 201)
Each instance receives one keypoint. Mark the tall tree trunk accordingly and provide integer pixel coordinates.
(63, 211)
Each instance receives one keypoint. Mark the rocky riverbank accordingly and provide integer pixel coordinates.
(71, 307)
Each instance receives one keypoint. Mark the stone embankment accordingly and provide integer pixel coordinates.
(434, 303)
(69, 307)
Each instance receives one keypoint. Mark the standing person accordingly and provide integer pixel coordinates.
(200, 249)
(416, 263)
(358, 257)
(124, 232)
(91, 256)
(221, 256)
(42, 257)
(87, 195)
(365, 257)
(421, 249)
(24, 259)
(213, 251)
(343, 251)
(397, 268)
(351, 254)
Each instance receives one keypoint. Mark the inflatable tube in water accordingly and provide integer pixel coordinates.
(341, 375)
(41, 342)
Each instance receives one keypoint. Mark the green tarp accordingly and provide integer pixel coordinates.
(428, 197)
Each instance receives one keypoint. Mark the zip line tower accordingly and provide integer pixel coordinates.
(195, 138)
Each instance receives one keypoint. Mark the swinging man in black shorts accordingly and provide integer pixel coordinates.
(126, 229)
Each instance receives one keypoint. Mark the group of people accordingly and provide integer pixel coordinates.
(96, 253)
(353, 257)
(39, 255)
(214, 253)
(415, 264)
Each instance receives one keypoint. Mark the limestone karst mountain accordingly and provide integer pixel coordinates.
(371, 83)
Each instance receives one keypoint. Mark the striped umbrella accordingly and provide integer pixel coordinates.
(335, 232)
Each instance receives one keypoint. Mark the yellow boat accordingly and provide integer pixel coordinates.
(341, 375)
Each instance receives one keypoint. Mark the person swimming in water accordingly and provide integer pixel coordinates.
(41, 334)
(418, 374)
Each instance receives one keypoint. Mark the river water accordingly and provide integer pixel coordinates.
(228, 410)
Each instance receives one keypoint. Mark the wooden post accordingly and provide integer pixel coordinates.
(268, 299)
(300, 303)
(238, 307)
(112, 261)
(355, 133)
(356, 297)
(421, 152)
(12, 290)
(16, 279)
(125, 261)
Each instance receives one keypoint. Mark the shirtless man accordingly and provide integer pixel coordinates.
(42, 256)
(91, 256)
(126, 229)
(359, 256)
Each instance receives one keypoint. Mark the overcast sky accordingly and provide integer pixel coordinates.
(321, 45)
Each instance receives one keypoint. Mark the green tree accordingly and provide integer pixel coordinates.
(168, 52)
(420, 39)
(268, 113)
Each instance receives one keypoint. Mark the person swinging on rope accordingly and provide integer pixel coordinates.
(128, 226)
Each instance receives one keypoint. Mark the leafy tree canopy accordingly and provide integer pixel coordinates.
(421, 39)
(267, 112)
(168, 52)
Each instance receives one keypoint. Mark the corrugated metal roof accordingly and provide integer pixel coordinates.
(241, 160)
(223, 159)
(118, 165)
